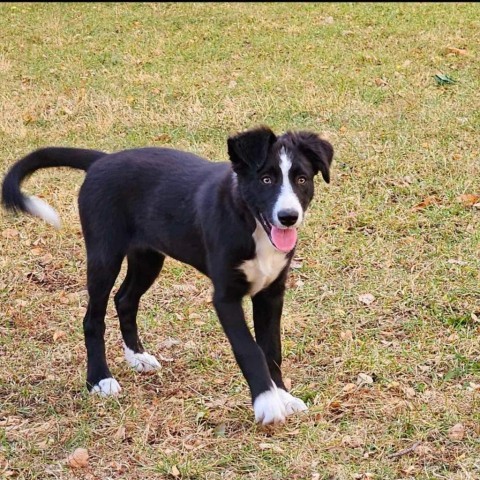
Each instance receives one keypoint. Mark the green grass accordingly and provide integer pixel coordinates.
(113, 76)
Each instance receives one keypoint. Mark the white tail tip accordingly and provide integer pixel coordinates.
(39, 208)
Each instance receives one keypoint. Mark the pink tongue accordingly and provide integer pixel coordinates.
(284, 238)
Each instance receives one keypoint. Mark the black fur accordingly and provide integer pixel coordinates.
(148, 203)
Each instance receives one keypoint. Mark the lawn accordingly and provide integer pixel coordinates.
(382, 316)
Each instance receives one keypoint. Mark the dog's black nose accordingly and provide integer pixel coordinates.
(287, 217)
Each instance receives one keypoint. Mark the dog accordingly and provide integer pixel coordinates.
(235, 222)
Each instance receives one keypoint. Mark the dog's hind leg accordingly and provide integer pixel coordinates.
(143, 268)
(101, 275)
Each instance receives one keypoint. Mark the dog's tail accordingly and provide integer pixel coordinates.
(14, 199)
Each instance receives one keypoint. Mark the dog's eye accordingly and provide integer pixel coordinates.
(301, 180)
(266, 180)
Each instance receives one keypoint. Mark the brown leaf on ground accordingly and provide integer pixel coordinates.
(468, 199)
(346, 335)
(10, 233)
(363, 378)
(456, 51)
(270, 446)
(423, 450)
(380, 82)
(163, 137)
(349, 388)
(78, 459)
(457, 432)
(366, 298)
(46, 259)
(427, 201)
(58, 334)
(352, 441)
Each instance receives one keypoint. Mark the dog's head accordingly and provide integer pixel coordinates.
(275, 177)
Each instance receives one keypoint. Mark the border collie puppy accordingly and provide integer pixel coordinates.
(234, 222)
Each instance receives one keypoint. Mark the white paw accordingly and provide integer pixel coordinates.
(269, 408)
(291, 404)
(141, 362)
(106, 387)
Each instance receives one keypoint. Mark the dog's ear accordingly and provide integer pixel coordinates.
(250, 148)
(317, 150)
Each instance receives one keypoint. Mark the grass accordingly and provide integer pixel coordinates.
(112, 76)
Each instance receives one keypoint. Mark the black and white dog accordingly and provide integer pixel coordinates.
(236, 223)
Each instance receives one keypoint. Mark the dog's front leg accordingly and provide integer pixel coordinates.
(267, 312)
(267, 403)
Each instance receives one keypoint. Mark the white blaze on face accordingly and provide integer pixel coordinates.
(287, 200)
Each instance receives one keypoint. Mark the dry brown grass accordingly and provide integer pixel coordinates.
(112, 76)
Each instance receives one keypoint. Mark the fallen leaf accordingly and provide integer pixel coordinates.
(58, 334)
(169, 343)
(349, 388)
(380, 82)
(346, 335)
(427, 201)
(164, 359)
(336, 406)
(352, 441)
(219, 430)
(10, 233)
(232, 84)
(457, 432)
(46, 259)
(265, 446)
(299, 283)
(364, 378)
(78, 459)
(410, 392)
(366, 298)
(468, 199)
(163, 137)
(296, 263)
(36, 251)
(175, 471)
(423, 450)
(453, 337)
(456, 51)
(455, 261)
(63, 299)
(270, 446)
(328, 20)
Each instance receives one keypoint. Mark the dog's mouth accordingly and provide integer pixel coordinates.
(283, 239)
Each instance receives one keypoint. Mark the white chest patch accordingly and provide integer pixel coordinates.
(267, 264)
